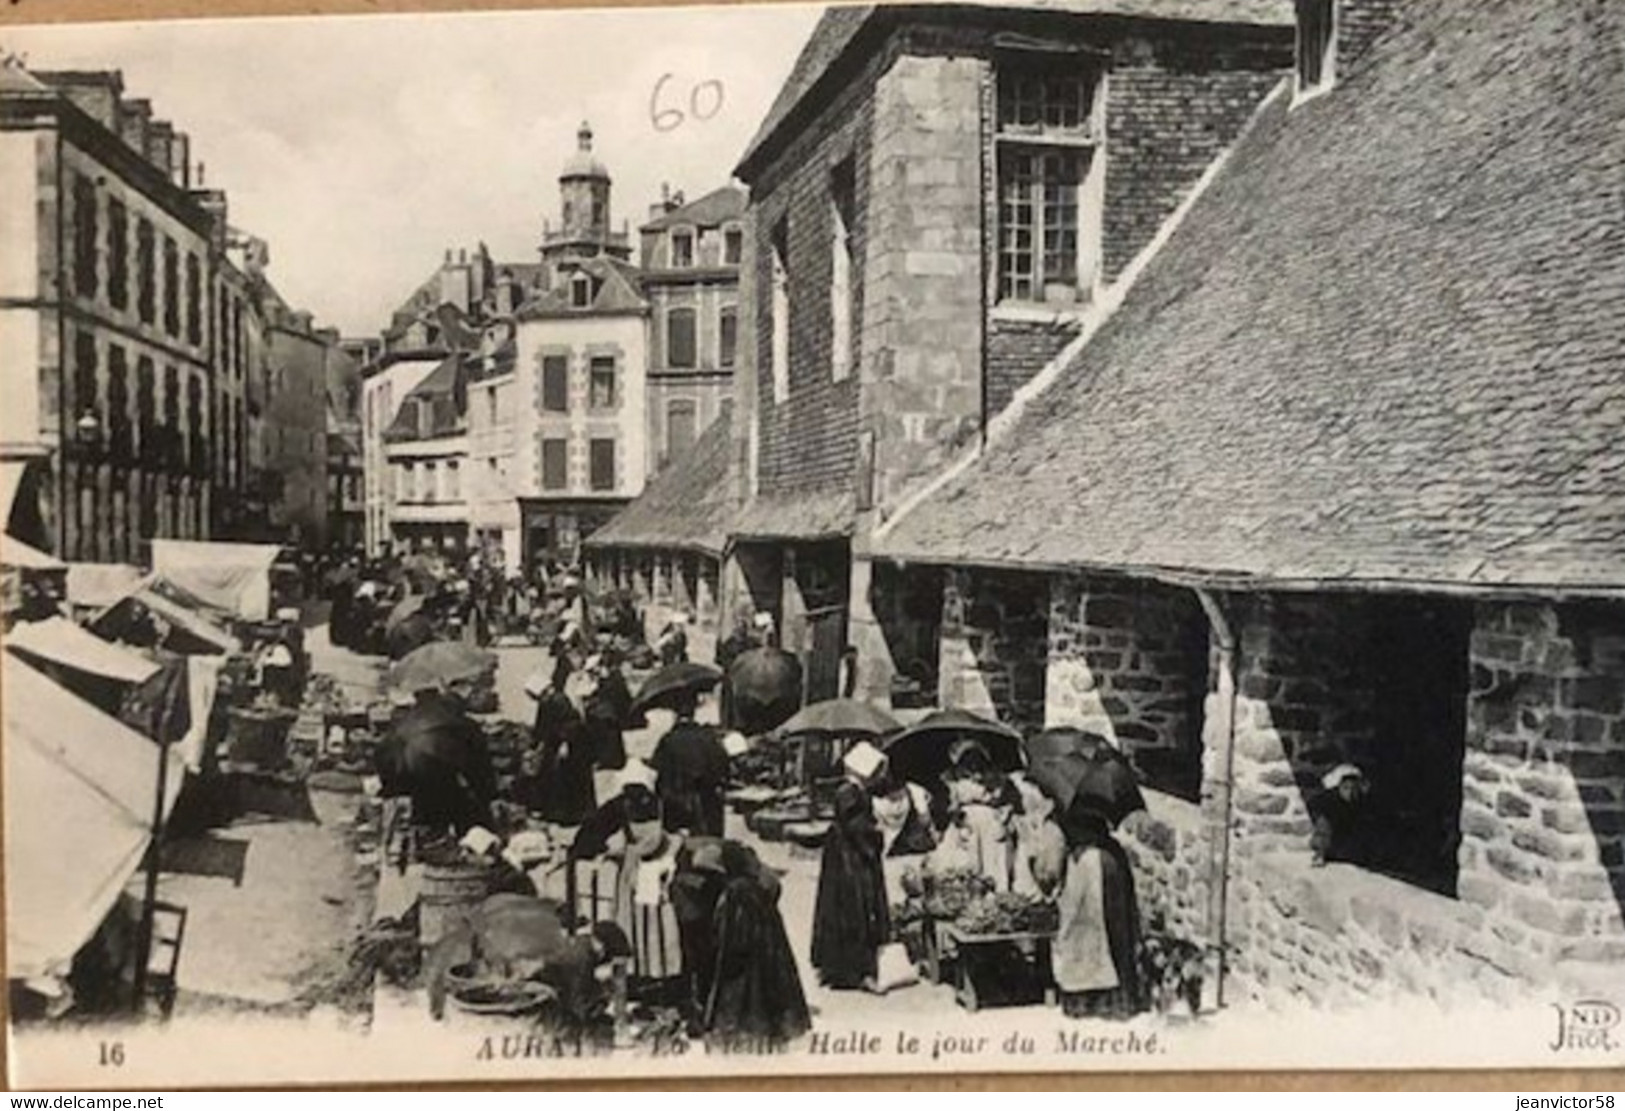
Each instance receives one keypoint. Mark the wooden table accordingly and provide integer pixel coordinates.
(974, 952)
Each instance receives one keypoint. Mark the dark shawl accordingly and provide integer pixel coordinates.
(851, 920)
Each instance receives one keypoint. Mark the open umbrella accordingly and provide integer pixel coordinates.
(920, 753)
(1072, 766)
(764, 690)
(673, 681)
(841, 716)
(441, 663)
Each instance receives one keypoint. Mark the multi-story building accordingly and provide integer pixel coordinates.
(581, 449)
(942, 201)
(296, 428)
(427, 448)
(346, 505)
(1257, 526)
(690, 260)
(107, 301)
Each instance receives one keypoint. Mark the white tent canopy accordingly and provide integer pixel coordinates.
(234, 577)
(61, 641)
(26, 557)
(79, 797)
(96, 586)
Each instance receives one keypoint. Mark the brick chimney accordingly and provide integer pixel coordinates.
(134, 119)
(160, 141)
(180, 160)
(96, 93)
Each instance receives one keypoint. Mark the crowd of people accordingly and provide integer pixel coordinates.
(663, 824)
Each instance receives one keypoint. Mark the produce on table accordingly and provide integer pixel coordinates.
(1008, 912)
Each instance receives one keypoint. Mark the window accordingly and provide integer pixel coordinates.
(1317, 25)
(728, 335)
(602, 384)
(118, 254)
(197, 434)
(843, 199)
(146, 408)
(84, 376)
(145, 276)
(682, 418)
(601, 464)
(1048, 221)
(681, 342)
(172, 287)
(733, 246)
(172, 443)
(406, 488)
(581, 291)
(194, 301)
(431, 482)
(555, 384)
(120, 439)
(491, 405)
(682, 249)
(781, 311)
(237, 347)
(84, 236)
(555, 464)
(454, 481)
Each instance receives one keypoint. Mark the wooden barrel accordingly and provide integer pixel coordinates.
(448, 895)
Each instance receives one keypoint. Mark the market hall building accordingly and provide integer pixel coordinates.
(1342, 480)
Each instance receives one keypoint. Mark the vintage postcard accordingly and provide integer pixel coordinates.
(785, 540)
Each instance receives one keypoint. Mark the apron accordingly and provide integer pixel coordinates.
(1081, 955)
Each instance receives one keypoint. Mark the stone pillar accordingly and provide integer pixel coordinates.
(1543, 808)
(995, 644)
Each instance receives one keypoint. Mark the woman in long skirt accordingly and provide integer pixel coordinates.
(746, 990)
(851, 920)
(1095, 952)
(562, 790)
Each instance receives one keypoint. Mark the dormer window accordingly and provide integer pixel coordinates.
(1316, 47)
(581, 291)
(682, 249)
(733, 246)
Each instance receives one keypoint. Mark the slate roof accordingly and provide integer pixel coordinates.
(443, 391)
(618, 293)
(688, 506)
(841, 27)
(817, 515)
(710, 211)
(1383, 348)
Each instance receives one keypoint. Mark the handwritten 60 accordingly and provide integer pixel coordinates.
(704, 101)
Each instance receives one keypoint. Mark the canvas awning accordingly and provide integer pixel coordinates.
(79, 795)
(234, 577)
(14, 553)
(112, 621)
(62, 642)
(96, 586)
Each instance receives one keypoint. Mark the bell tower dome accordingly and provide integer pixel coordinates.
(584, 191)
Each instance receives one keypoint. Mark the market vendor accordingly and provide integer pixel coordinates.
(742, 978)
(1347, 826)
(691, 761)
(979, 803)
(851, 919)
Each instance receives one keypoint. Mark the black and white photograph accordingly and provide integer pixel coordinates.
(779, 540)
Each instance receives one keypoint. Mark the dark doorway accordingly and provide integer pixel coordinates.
(1419, 649)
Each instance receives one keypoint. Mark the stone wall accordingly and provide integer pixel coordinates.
(1543, 813)
(1168, 847)
(1130, 661)
(1019, 349)
(1543, 819)
(995, 644)
(923, 318)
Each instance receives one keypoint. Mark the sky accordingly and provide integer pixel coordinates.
(362, 147)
